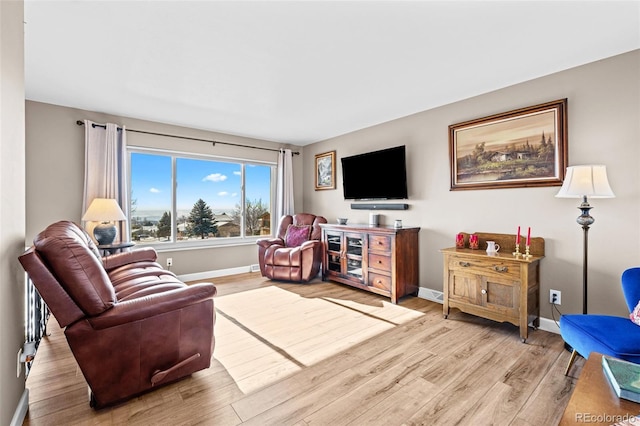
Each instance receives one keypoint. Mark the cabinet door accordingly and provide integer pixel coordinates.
(334, 252)
(502, 296)
(465, 287)
(353, 249)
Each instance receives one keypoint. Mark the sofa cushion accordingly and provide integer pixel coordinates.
(296, 235)
(68, 251)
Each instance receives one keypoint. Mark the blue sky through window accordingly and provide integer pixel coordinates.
(150, 184)
(218, 183)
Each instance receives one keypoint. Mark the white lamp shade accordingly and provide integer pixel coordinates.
(586, 181)
(103, 210)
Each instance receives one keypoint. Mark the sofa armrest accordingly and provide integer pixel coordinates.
(310, 244)
(268, 242)
(154, 304)
(119, 259)
(308, 250)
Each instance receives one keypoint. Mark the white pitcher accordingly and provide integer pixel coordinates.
(492, 247)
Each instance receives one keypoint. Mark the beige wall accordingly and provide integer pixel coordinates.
(12, 209)
(604, 128)
(55, 173)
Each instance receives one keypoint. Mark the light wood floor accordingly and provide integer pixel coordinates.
(327, 354)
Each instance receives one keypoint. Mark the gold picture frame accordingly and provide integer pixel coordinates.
(526, 147)
(325, 171)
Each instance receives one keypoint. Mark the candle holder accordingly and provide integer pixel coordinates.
(526, 252)
(474, 243)
(517, 252)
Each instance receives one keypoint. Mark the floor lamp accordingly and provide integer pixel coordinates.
(583, 182)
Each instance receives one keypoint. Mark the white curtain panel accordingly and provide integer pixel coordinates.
(284, 201)
(105, 169)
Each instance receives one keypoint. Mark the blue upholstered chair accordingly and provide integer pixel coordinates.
(618, 337)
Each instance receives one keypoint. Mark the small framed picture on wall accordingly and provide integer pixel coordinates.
(325, 171)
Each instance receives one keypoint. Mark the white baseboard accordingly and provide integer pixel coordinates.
(438, 297)
(217, 273)
(549, 325)
(21, 410)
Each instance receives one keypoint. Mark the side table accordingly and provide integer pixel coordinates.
(108, 249)
(594, 401)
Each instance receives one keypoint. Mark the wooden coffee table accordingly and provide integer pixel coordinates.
(594, 401)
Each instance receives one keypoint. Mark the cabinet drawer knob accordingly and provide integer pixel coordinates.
(464, 264)
(484, 291)
(500, 268)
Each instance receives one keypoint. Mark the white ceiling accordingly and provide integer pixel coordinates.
(303, 71)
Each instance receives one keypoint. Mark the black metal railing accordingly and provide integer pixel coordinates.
(36, 316)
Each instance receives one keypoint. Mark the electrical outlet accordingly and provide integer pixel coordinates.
(555, 297)
(169, 262)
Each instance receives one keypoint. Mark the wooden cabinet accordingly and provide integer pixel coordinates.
(383, 260)
(501, 287)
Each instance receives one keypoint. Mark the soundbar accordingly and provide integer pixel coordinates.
(379, 206)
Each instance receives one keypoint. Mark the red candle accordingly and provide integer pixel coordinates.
(529, 236)
(518, 236)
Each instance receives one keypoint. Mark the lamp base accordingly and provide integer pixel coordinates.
(105, 233)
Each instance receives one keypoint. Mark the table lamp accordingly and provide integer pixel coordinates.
(583, 182)
(105, 211)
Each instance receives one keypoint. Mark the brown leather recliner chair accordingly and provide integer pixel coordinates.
(130, 324)
(296, 252)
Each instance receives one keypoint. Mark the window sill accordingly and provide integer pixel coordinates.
(202, 245)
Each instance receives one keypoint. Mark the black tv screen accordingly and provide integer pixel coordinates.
(377, 175)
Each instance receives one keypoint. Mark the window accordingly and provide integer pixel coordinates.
(185, 200)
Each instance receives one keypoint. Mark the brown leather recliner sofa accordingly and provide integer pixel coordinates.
(296, 252)
(130, 324)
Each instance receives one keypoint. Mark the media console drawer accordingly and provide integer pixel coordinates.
(382, 282)
(379, 242)
(379, 261)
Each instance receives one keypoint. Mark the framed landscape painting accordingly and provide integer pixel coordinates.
(325, 171)
(526, 147)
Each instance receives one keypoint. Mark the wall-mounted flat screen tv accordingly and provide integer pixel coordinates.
(377, 175)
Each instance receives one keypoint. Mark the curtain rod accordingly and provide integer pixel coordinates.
(81, 123)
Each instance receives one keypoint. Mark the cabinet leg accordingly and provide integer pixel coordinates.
(524, 332)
